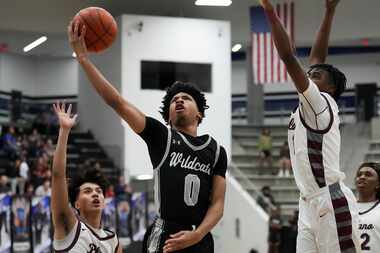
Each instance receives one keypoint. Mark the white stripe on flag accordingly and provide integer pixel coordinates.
(254, 59)
(269, 63)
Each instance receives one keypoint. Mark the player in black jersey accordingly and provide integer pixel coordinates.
(189, 170)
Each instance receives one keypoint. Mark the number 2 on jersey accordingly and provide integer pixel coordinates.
(191, 192)
(366, 238)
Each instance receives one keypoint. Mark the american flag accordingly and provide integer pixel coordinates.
(267, 67)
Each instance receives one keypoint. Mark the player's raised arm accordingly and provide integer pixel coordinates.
(134, 117)
(285, 48)
(320, 48)
(63, 216)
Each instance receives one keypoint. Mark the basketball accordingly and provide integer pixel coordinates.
(101, 28)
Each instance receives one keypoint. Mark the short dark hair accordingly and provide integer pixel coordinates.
(188, 88)
(336, 76)
(88, 175)
(376, 167)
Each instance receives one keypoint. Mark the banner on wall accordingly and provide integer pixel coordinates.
(21, 242)
(109, 214)
(41, 224)
(139, 215)
(5, 223)
(124, 222)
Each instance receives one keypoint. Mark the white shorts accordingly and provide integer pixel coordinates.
(328, 221)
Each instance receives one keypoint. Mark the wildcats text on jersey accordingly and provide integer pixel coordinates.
(188, 163)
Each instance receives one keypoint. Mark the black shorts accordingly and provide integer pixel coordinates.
(266, 153)
(159, 232)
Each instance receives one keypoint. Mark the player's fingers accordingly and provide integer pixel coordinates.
(63, 107)
(180, 233)
(69, 110)
(70, 30)
(76, 28)
(75, 117)
(54, 108)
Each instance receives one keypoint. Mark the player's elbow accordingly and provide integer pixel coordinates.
(114, 102)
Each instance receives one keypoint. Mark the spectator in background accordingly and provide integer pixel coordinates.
(40, 172)
(253, 251)
(285, 164)
(289, 235)
(10, 143)
(275, 226)
(266, 200)
(4, 188)
(49, 148)
(44, 189)
(29, 192)
(265, 148)
(110, 192)
(34, 141)
(23, 175)
(119, 188)
(13, 175)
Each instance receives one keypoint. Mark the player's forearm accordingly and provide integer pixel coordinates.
(280, 36)
(319, 50)
(213, 215)
(109, 94)
(59, 160)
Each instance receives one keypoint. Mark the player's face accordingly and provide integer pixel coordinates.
(90, 198)
(183, 110)
(367, 180)
(322, 79)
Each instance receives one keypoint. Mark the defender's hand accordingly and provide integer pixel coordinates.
(266, 4)
(331, 4)
(66, 119)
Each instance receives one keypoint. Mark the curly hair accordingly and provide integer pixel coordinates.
(188, 88)
(88, 175)
(336, 77)
(376, 167)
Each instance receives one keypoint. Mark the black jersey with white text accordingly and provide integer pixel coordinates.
(184, 167)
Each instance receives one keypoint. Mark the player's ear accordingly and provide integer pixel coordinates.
(76, 205)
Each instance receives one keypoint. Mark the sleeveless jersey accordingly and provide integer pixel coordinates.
(83, 238)
(315, 153)
(369, 226)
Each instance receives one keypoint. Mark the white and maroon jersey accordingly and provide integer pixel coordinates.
(83, 238)
(369, 226)
(314, 141)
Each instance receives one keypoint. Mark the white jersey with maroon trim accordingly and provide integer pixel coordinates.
(369, 226)
(315, 153)
(85, 239)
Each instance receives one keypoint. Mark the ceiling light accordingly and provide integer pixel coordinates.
(236, 48)
(74, 54)
(144, 177)
(213, 2)
(35, 43)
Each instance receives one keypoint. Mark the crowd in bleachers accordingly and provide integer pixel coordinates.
(26, 157)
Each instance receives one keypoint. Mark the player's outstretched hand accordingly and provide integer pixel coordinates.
(331, 4)
(76, 38)
(266, 4)
(66, 119)
(181, 240)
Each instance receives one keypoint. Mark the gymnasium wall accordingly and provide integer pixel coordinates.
(359, 68)
(38, 76)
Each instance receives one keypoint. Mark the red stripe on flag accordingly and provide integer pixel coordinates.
(286, 27)
(271, 60)
(265, 58)
(258, 59)
(278, 58)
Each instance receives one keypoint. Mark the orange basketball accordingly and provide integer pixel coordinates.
(101, 28)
